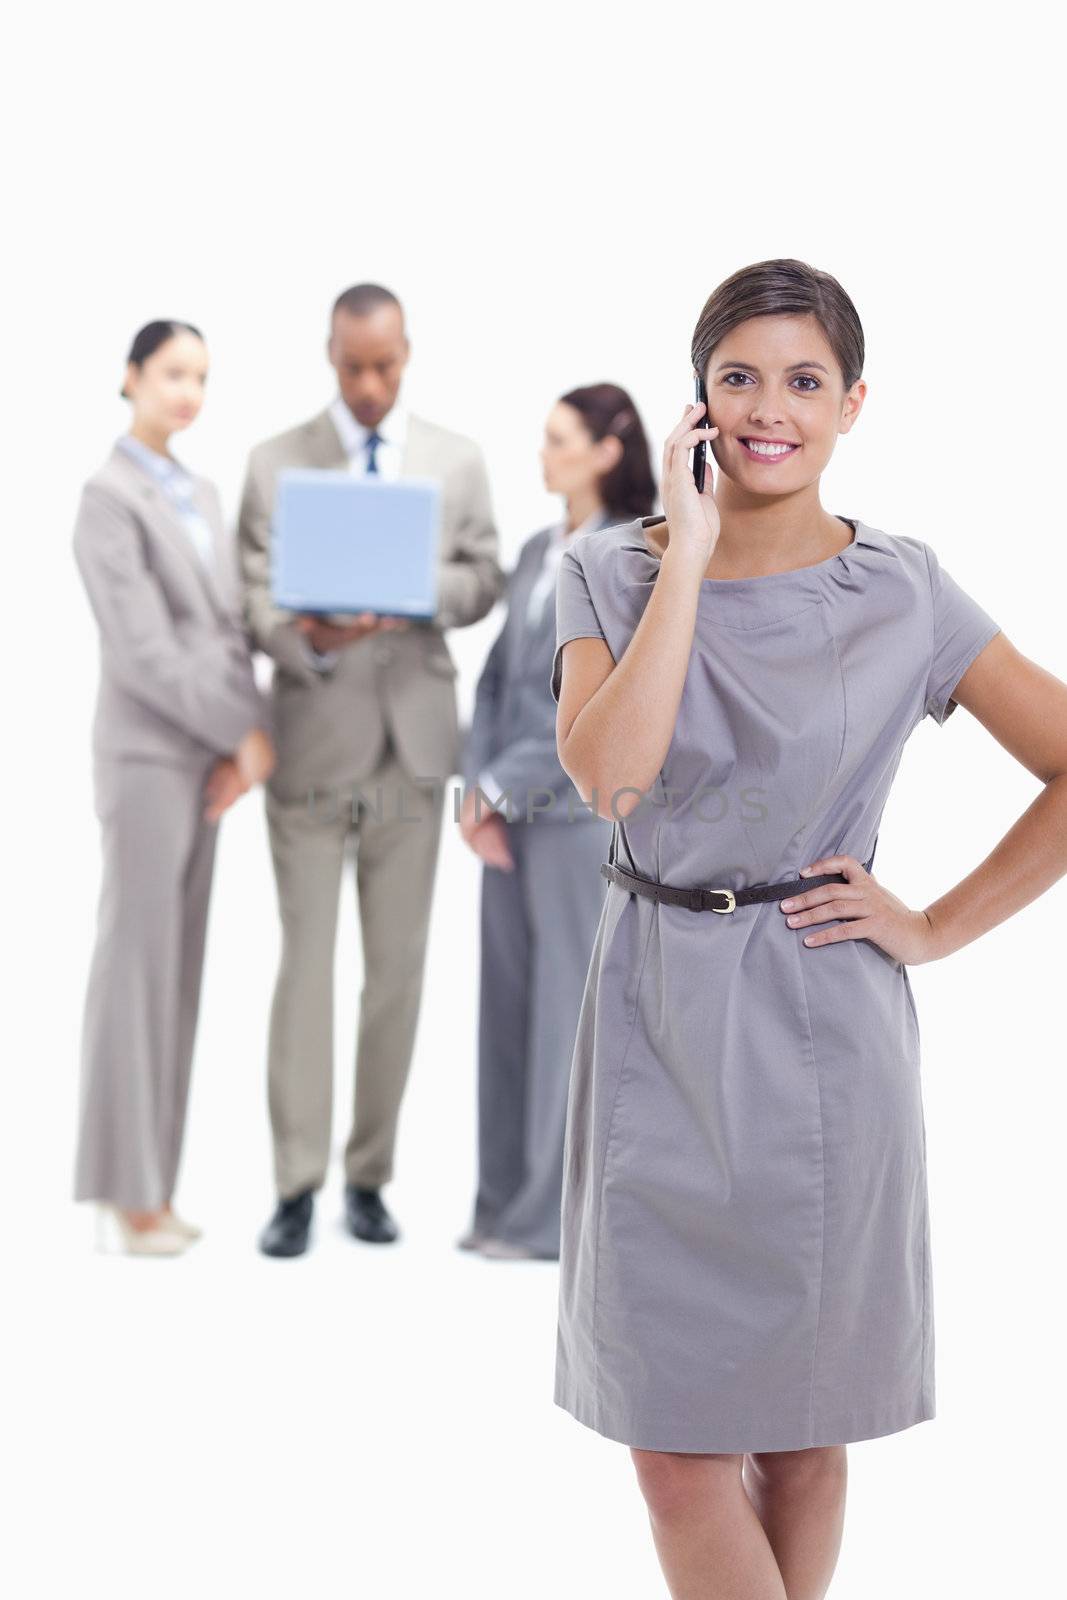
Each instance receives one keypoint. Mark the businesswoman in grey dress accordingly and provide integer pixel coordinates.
(541, 847)
(745, 1268)
(180, 731)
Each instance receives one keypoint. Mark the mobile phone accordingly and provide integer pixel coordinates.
(700, 451)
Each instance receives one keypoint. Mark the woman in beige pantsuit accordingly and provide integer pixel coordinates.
(180, 732)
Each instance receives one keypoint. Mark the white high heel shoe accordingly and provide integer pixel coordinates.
(133, 1241)
(185, 1230)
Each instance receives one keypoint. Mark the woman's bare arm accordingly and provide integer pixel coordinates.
(615, 723)
(1024, 707)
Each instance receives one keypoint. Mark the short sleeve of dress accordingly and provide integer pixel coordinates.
(576, 616)
(961, 630)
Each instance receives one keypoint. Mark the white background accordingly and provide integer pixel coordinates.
(553, 192)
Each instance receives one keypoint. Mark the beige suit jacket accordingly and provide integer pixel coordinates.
(176, 681)
(330, 726)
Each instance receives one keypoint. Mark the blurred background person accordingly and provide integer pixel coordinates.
(542, 890)
(360, 708)
(180, 731)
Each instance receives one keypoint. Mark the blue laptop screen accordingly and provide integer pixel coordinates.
(341, 543)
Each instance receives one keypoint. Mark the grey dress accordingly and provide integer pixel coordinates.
(745, 1254)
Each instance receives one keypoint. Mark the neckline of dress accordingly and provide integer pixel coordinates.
(763, 577)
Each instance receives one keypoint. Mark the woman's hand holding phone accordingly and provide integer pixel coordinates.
(692, 515)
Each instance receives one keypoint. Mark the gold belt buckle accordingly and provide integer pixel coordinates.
(729, 893)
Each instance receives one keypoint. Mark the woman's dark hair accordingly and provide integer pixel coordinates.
(148, 339)
(781, 289)
(627, 489)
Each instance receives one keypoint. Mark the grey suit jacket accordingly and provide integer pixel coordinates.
(329, 726)
(176, 681)
(513, 727)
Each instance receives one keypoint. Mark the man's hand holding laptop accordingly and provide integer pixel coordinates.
(324, 636)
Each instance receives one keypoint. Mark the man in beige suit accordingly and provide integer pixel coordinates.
(367, 736)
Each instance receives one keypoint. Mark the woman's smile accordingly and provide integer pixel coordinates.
(767, 450)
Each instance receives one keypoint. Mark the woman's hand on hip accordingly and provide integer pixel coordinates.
(873, 912)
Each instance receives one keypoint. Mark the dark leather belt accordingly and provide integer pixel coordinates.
(704, 899)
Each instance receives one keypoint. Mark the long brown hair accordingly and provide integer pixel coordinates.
(627, 489)
(782, 288)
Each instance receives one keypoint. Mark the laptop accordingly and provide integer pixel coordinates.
(346, 544)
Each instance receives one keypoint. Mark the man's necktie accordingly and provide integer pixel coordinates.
(373, 441)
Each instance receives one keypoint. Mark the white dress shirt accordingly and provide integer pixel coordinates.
(544, 586)
(178, 487)
(392, 432)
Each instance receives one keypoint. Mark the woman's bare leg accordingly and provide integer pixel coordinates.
(710, 1542)
(799, 1497)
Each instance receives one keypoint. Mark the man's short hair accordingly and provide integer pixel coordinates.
(363, 298)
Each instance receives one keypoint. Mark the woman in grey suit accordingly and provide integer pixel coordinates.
(542, 848)
(180, 732)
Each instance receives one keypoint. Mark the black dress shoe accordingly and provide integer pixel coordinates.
(286, 1234)
(367, 1217)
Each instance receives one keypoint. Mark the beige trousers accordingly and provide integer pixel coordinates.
(143, 993)
(397, 829)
